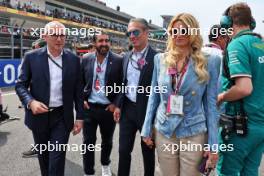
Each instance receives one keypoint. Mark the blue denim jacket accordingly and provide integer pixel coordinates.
(200, 111)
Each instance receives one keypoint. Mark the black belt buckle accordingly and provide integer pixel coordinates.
(52, 109)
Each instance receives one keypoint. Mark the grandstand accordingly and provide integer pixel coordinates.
(18, 17)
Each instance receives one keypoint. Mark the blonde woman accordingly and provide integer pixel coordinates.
(185, 115)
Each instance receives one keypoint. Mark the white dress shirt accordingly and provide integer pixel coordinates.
(133, 74)
(99, 96)
(55, 73)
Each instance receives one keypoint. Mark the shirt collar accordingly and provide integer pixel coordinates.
(52, 55)
(105, 59)
(141, 52)
(241, 32)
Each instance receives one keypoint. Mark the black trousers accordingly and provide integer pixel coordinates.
(97, 115)
(52, 161)
(129, 125)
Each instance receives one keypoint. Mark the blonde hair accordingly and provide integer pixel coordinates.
(196, 42)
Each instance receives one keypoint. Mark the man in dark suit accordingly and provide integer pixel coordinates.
(137, 69)
(48, 86)
(100, 70)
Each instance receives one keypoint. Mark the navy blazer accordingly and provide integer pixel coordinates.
(34, 83)
(144, 81)
(113, 75)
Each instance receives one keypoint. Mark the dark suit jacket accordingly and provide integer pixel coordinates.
(113, 75)
(34, 83)
(144, 81)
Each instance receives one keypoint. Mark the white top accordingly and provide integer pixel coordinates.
(133, 74)
(55, 73)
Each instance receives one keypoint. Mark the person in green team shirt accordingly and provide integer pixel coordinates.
(243, 82)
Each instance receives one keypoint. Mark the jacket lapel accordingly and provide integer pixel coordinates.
(188, 78)
(90, 74)
(126, 60)
(148, 59)
(108, 67)
(65, 64)
(45, 63)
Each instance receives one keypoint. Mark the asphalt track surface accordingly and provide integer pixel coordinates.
(16, 138)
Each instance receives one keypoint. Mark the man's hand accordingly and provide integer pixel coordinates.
(38, 107)
(116, 114)
(220, 99)
(78, 125)
(85, 105)
(110, 108)
(149, 142)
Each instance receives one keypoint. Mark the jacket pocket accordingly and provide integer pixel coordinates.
(194, 120)
(161, 117)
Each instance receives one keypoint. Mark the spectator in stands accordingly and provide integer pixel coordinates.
(91, 48)
(16, 28)
(5, 29)
(39, 43)
(120, 51)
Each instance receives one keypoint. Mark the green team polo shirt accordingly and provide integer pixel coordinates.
(245, 57)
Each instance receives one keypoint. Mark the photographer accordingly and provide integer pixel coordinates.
(243, 70)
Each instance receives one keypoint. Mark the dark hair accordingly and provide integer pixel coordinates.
(240, 14)
(141, 21)
(215, 32)
(102, 33)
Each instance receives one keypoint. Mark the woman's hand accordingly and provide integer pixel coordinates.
(149, 142)
(212, 160)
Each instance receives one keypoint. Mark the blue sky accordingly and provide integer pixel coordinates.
(207, 12)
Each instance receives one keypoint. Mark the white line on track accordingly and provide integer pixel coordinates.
(7, 94)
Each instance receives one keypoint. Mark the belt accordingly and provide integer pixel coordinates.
(98, 105)
(51, 109)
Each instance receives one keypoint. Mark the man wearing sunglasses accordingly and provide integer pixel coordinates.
(100, 70)
(137, 69)
(49, 85)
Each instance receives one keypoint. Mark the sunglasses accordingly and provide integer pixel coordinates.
(136, 33)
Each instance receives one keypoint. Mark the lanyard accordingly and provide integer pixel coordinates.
(98, 70)
(179, 80)
(58, 65)
(141, 61)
